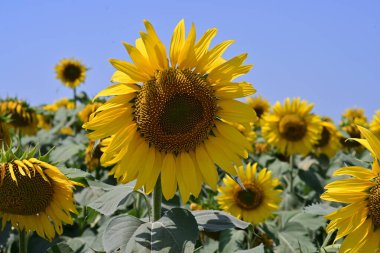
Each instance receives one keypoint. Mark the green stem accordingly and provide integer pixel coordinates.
(75, 96)
(23, 241)
(291, 165)
(157, 198)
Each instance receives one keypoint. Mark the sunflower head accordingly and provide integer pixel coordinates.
(63, 102)
(359, 221)
(43, 122)
(259, 104)
(171, 117)
(291, 127)
(35, 195)
(375, 124)
(22, 117)
(329, 140)
(257, 201)
(71, 72)
(89, 109)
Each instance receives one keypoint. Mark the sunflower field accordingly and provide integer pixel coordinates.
(176, 155)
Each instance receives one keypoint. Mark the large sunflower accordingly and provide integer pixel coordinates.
(22, 117)
(259, 104)
(170, 118)
(35, 195)
(71, 72)
(257, 202)
(291, 127)
(375, 124)
(359, 221)
(329, 140)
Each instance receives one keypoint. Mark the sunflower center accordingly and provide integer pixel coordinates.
(325, 138)
(259, 111)
(292, 127)
(250, 198)
(175, 110)
(72, 72)
(28, 197)
(374, 203)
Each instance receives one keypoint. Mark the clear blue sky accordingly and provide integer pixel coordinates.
(325, 51)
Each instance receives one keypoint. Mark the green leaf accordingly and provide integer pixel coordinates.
(214, 221)
(312, 180)
(119, 231)
(112, 199)
(257, 249)
(294, 238)
(319, 209)
(175, 232)
(232, 240)
(70, 246)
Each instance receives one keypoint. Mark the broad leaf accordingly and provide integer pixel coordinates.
(214, 221)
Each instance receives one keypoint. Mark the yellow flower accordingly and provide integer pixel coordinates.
(93, 154)
(170, 119)
(257, 202)
(329, 140)
(359, 221)
(85, 114)
(22, 117)
(63, 102)
(291, 127)
(4, 134)
(375, 124)
(71, 72)
(259, 104)
(356, 116)
(35, 196)
(43, 122)
(247, 131)
(66, 131)
(350, 119)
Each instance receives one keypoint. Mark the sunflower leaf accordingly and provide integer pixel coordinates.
(214, 221)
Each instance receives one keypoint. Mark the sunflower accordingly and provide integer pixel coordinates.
(63, 102)
(71, 72)
(352, 118)
(257, 202)
(329, 140)
(35, 195)
(375, 124)
(247, 131)
(43, 122)
(93, 153)
(359, 221)
(291, 127)
(22, 117)
(85, 114)
(171, 118)
(259, 104)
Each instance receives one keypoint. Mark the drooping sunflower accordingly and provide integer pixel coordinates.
(359, 221)
(257, 202)
(63, 102)
(375, 124)
(89, 109)
(22, 117)
(71, 72)
(329, 140)
(259, 104)
(170, 118)
(35, 195)
(291, 127)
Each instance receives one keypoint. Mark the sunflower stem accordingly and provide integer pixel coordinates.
(23, 241)
(291, 165)
(157, 198)
(75, 97)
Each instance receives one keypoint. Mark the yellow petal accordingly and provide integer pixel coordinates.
(202, 45)
(177, 42)
(234, 90)
(168, 176)
(118, 89)
(140, 61)
(130, 69)
(236, 111)
(373, 141)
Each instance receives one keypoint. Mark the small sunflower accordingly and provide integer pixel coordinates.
(259, 104)
(89, 109)
(352, 118)
(63, 102)
(375, 124)
(35, 195)
(355, 115)
(329, 141)
(257, 202)
(43, 122)
(171, 118)
(93, 154)
(359, 221)
(291, 127)
(71, 72)
(22, 117)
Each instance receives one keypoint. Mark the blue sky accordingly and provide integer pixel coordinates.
(327, 52)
